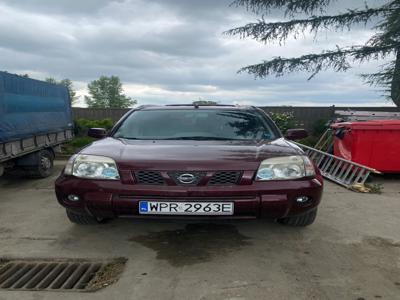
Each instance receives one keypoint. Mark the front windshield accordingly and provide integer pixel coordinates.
(196, 124)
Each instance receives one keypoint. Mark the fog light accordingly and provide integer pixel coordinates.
(73, 198)
(302, 199)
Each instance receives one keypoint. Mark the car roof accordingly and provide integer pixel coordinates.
(193, 106)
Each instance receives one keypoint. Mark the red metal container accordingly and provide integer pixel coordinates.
(375, 144)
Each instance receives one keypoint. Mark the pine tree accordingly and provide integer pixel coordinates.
(384, 44)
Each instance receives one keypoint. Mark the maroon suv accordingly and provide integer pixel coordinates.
(180, 161)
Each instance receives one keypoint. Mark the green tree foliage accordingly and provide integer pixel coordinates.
(107, 92)
(284, 121)
(68, 84)
(310, 16)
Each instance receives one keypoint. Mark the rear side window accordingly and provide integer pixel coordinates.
(196, 124)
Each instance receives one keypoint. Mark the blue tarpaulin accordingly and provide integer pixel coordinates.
(31, 107)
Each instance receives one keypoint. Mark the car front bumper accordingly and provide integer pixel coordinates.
(110, 199)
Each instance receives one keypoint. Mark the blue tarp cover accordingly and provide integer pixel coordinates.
(31, 107)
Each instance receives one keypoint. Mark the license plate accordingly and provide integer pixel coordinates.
(185, 208)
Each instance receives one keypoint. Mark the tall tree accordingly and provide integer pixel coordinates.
(312, 16)
(107, 92)
(68, 84)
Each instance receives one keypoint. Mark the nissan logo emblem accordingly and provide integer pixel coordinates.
(186, 178)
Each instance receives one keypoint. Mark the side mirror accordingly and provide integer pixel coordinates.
(296, 134)
(97, 133)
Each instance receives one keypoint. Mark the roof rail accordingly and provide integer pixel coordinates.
(199, 104)
(144, 106)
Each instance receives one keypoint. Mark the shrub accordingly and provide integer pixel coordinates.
(82, 125)
(81, 139)
(309, 141)
(319, 127)
(77, 143)
(284, 121)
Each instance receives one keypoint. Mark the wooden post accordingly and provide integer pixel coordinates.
(395, 89)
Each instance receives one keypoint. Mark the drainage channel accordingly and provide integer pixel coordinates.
(59, 275)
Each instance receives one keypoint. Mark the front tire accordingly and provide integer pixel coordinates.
(300, 220)
(83, 219)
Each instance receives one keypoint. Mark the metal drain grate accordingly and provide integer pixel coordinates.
(65, 275)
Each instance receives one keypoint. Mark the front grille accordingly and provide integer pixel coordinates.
(149, 177)
(188, 178)
(225, 178)
(179, 177)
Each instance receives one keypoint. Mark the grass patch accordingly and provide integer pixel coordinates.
(108, 275)
(375, 188)
(77, 144)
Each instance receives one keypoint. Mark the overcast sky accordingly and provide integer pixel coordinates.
(171, 51)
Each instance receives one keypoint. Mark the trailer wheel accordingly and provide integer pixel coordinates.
(45, 165)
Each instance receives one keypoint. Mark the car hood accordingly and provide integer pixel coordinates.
(190, 155)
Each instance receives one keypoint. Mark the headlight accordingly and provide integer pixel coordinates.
(92, 166)
(285, 167)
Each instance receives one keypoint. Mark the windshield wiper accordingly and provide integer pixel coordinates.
(200, 138)
(193, 138)
(126, 138)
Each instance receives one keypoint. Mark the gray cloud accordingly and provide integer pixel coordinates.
(63, 7)
(168, 51)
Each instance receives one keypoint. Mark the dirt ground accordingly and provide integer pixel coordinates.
(352, 251)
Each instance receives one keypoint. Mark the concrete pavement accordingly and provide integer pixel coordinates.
(352, 251)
